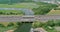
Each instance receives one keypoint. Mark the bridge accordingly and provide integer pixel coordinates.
(27, 18)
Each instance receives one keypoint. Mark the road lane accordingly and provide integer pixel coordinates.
(28, 18)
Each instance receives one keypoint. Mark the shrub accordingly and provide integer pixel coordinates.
(41, 10)
(1, 25)
(51, 23)
(57, 22)
(1, 13)
(44, 8)
(7, 13)
(37, 24)
(18, 23)
(10, 24)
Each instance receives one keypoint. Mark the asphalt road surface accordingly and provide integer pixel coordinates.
(28, 19)
(48, 17)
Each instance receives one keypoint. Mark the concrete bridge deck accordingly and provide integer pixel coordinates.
(27, 18)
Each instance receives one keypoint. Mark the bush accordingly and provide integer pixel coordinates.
(37, 24)
(51, 23)
(18, 24)
(57, 22)
(1, 25)
(10, 24)
(41, 10)
(44, 8)
(1, 13)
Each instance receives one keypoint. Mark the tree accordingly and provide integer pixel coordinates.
(51, 23)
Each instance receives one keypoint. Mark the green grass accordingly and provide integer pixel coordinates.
(43, 8)
(46, 25)
(6, 27)
(6, 23)
(54, 12)
(25, 26)
(11, 12)
(19, 5)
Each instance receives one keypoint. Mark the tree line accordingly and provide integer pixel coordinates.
(13, 1)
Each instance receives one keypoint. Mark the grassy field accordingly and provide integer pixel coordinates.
(5, 26)
(43, 8)
(11, 12)
(48, 26)
(29, 5)
(54, 12)
(6, 23)
(4, 29)
(19, 5)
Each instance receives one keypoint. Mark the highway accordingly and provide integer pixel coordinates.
(28, 18)
(14, 18)
(47, 17)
